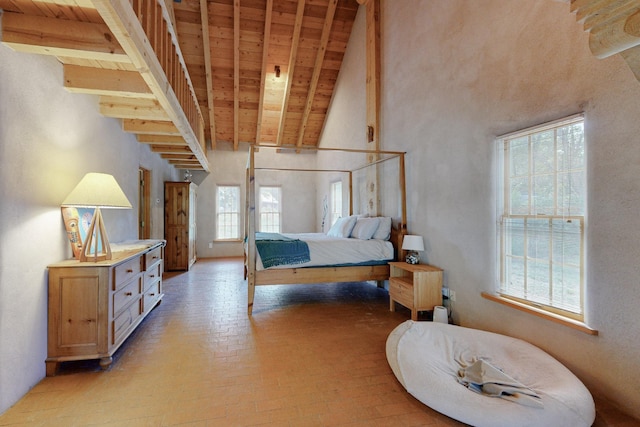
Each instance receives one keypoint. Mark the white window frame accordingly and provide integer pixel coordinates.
(543, 265)
(225, 227)
(336, 201)
(274, 226)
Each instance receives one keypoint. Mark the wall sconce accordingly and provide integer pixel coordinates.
(277, 71)
(413, 244)
(97, 190)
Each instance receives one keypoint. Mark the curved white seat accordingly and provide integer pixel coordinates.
(426, 356)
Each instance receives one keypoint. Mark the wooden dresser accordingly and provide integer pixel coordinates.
(95, 306)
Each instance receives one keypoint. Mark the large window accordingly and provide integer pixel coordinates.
(270, 209)
(228, 212)
(336, 201)
(542, 216)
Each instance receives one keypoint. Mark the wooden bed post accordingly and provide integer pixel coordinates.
(250, 230)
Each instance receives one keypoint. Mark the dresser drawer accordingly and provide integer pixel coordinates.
(125, 272)
(124, 320)
(151, 296)
(123, 297)
(152, 257)
(401, 291)
(152, 275)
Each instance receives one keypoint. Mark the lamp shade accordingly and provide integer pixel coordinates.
(412, 243)
(97, 190)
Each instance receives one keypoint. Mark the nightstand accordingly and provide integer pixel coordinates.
(416, 286)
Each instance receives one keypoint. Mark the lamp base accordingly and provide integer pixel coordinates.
(96, 236)
(412, 258)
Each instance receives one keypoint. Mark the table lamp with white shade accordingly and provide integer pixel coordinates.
(97, 190)
(413, 244)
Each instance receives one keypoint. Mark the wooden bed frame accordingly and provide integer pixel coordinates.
(282, 276)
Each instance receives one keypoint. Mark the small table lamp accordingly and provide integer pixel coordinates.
(413, 244)
(97, 190)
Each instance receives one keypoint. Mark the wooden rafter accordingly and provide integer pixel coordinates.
(295, 40)
(236, 73)
(132, 108)
(206, 42)
(150, 127)
(324, 40)
(100, 81)
(265, 61)
(60, 37)
(162, 140)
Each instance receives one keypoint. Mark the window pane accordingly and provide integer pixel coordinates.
(542, 145)
(543, 191)
(571, 148)
(571, 193)
(538, 236)
(519, 150)
(566, 242)
(519, 196)
(228, 212)
(514, 284)
(269, 207)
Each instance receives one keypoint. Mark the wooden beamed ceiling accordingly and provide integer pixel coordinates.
(183, 74)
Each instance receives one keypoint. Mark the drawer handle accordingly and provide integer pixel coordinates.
(152, 294)
(128, 294)
(152, 275)
(129, 271)
(155, 257)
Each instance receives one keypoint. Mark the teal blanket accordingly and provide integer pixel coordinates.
(276, 249)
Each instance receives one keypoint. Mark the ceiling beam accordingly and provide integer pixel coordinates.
(295, 40)
(317, 68)
(101, 81)
(60, 37)
(132, 108)
(150, 127)
(265, 61)
(236, 74)
(206, 42)
(161, 140)
(166, 149)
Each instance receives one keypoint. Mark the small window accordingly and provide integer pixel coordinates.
(336, 201)
(228, 212)
(542, 210)
(270, 209)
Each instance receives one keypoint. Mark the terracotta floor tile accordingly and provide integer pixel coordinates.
(311, 355)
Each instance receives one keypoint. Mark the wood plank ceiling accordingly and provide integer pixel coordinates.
(184, 74)
(260, 71)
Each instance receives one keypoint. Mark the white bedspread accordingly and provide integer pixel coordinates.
(426, 356)
(325, 250)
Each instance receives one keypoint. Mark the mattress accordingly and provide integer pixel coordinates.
(425, 357)
(337, 251)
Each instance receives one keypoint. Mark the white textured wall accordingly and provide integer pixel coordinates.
(49, 139)
(457, 73)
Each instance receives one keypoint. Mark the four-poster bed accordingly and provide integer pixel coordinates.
(375, 271)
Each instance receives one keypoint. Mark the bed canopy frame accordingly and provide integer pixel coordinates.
(283, 276)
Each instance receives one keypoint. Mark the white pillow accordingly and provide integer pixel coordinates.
(342, 227)
(365, 228)
(384, 229)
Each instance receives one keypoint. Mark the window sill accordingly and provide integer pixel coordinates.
(582, 327)
(227, 240)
